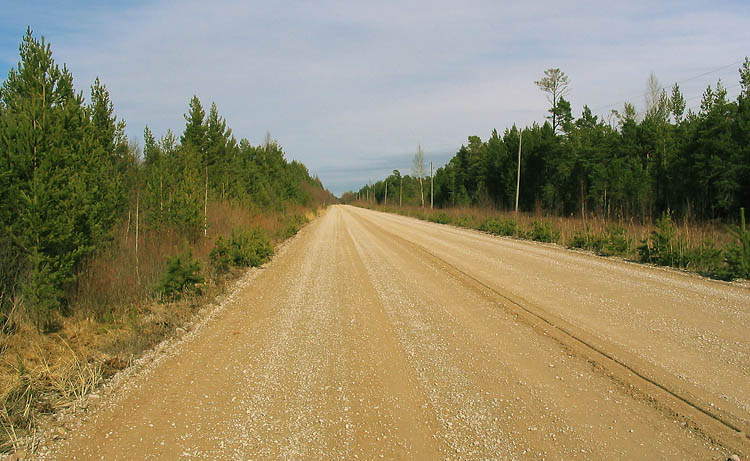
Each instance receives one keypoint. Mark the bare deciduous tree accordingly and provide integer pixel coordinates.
(418, 170)
(657, 100)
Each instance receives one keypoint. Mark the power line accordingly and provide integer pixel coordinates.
(711, 72)
(694, 77)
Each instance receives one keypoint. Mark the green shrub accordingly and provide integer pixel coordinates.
(182, 276)
(616, 243)
(542, 231)
(578, 240)
(738, 253)
(708, 260)
(506, 227)
(465, 221)
(586, 240)
(250, 248)
(220, 256)
(440, 218)
(13, 268)
(293, 224)
(663, 247)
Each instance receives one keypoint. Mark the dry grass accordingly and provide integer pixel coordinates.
(115, 319)
(693, 233)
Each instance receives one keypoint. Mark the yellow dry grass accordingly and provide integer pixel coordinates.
(116, 319)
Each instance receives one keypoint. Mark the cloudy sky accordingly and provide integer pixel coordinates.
(351, 88)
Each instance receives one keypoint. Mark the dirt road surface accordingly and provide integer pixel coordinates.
(377, 336)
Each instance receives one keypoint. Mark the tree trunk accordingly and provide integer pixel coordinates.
(137, 215)
(421, 191)
(205, 208)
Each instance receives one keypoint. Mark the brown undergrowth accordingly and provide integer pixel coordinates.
(702, 247)
(114, 317)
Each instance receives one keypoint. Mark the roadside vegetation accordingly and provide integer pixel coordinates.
(106, 248)
(712, 250)
(668, 186)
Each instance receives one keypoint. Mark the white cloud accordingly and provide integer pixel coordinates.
(346, 83)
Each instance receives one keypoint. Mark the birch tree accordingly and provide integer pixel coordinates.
(418, 169)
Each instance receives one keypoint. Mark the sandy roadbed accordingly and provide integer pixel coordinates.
(375, 335)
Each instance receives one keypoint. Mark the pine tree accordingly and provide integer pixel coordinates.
(195, 128)
(43, 142)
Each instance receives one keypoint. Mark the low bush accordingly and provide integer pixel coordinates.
(182, 277)
(292, 225)
(708, 260)
(467, 221)
(738, 253)
(579, 240)
(250, 248)
(543, 231)
(220, 256)
(587, 240)
(664, 247)
(705, 249)
(440, 218)
(506, 227)
(616, 242)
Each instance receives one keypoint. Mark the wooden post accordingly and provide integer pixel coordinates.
(385, 199)
(518, 180)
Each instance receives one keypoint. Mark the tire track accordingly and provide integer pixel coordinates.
(640, 379)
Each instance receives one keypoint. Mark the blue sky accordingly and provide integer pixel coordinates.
(351, 88)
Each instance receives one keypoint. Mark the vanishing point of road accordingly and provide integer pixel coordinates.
(377, 336)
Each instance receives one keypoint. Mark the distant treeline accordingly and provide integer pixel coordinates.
(68, 176)
(692, 164)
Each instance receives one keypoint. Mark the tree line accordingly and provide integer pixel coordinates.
(694, 164)
(69, 175)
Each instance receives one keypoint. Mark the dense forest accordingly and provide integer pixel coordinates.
(72, 186)
(691, 164)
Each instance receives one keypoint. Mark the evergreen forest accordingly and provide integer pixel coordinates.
(689, 164)
(74, 191)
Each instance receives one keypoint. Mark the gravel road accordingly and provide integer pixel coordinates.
(377, 336)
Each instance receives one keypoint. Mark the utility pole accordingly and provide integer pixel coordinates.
(385, 200)
(432, 188)
(518, 181)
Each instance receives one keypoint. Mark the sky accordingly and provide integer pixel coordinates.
(351, 88)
